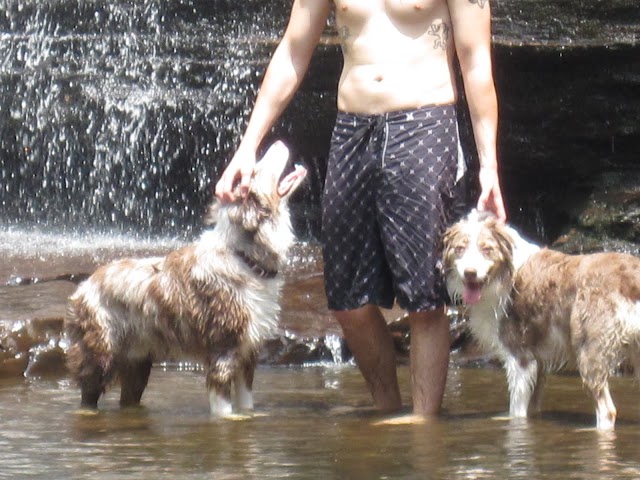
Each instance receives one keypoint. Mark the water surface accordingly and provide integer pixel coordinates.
(311, 422)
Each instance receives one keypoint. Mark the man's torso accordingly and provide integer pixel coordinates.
(398, 54)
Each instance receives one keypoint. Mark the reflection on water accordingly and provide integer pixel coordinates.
(311, 423)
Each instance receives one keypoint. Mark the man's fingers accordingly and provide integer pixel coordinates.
(493, 204)
(219, 191)
(224, 187)
(482, 201)
(245, 182)
(233, 184)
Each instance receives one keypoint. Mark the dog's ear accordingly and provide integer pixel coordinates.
(447, 238)
(505, 242)
(446, 247)
(248, 213)
(211, 215)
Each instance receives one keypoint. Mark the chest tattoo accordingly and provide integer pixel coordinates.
(440, 32)
(480, 3)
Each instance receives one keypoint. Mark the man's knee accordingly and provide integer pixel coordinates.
(435, 314)
(358, 318)
(429, 319)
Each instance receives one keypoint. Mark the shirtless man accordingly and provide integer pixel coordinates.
(395, 143)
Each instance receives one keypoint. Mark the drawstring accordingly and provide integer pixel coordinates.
(371, 130)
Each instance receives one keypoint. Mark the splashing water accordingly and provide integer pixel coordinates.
(118, 117)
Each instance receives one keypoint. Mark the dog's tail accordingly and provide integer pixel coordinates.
(90, 358)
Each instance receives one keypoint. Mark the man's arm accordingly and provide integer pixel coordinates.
(471, 21)
(283, 77)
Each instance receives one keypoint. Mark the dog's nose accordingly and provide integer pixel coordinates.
(470, 274)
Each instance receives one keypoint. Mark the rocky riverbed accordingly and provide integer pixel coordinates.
(34, 305)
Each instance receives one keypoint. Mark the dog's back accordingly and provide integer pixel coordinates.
(156, 307)
(135, 311)
(573, 302)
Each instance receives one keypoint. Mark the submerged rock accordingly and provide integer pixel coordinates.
(36, 347)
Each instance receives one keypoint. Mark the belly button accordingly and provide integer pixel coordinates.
(378, 78)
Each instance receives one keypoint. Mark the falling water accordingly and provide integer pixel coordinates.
(335, 344)
(117, 117)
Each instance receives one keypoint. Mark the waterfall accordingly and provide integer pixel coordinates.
(117, 117)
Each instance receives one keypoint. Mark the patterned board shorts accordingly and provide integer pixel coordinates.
(389, 195)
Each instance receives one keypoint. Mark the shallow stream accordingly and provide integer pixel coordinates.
(312, 423)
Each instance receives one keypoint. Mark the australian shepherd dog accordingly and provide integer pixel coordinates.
(540, 310)
(214, 301)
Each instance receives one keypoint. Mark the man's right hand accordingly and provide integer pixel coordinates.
(236, 178)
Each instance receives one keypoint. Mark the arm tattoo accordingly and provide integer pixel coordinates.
(480, 3)
(441, 33)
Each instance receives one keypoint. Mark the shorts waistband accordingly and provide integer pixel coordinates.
(402, 113)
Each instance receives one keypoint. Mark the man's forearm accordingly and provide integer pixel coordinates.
(278, 87)
(483, 108)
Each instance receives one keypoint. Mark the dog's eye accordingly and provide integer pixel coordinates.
(487, 250)
(459, 250)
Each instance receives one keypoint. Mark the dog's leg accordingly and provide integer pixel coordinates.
(220, 401)
(595, 379)
(89, 357)
(521, 378)
(92, 386)
(595, 360)
(92, 373)
(243, 383)
(134, 376)
(605, 409)
(219, 376)
(535, 405)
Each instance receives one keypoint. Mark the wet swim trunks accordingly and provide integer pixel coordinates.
(388, 197)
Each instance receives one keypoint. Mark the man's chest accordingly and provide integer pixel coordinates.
(363, 10)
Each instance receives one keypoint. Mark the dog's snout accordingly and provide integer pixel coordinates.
(470, 274)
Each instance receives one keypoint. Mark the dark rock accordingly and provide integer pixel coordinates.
(565, 23)
(46, 361)
(288, 350)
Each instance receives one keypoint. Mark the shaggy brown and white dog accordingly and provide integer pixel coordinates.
(540, 310)
(214, 301)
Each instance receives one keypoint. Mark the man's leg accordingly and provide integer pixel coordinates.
(430, 344)
(368, 338)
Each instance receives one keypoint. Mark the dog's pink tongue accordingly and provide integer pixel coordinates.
(472, 293)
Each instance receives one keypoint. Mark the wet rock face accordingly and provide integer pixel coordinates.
(565, 23)
(568, 127)
(568, 80)
(606, 219)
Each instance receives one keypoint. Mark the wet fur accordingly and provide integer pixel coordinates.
(549, 311)
(202, 302)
